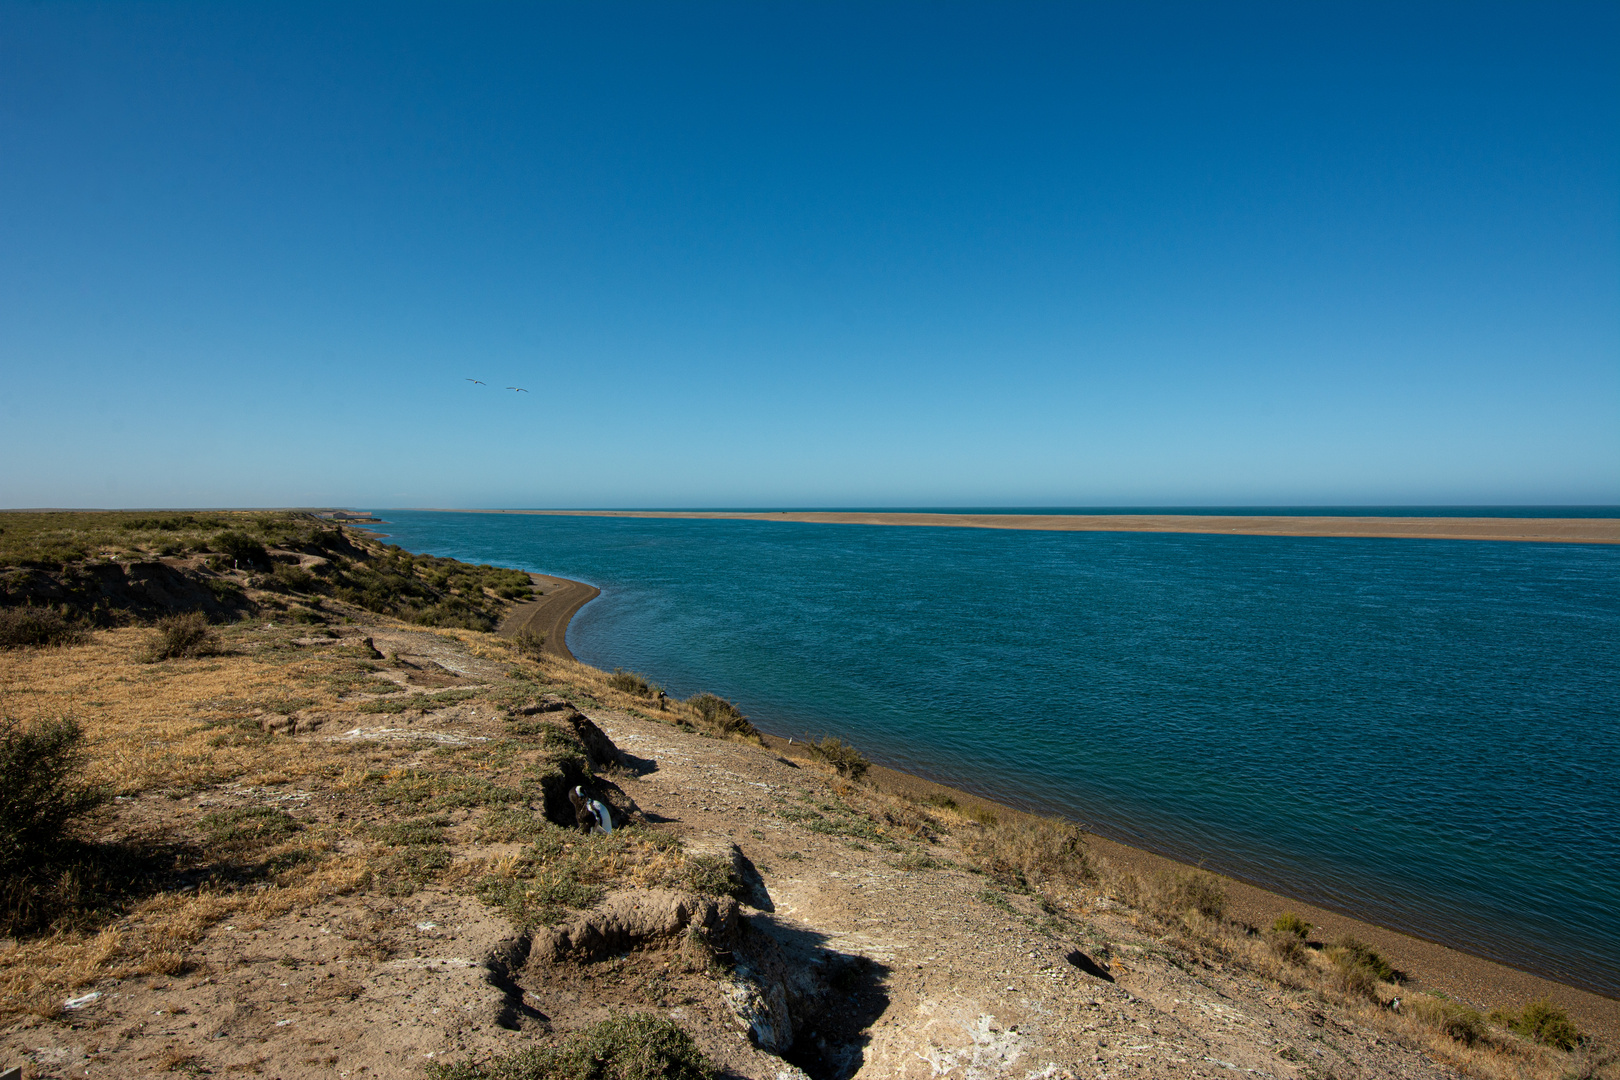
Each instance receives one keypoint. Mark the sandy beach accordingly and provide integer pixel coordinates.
(1523, 530)
(1430, 965)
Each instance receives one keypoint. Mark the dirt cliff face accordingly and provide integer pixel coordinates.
(366, 876)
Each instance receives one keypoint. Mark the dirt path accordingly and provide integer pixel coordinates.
(1537, 530)
(549, 615)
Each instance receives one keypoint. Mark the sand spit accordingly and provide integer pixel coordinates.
(1526, 530)
(560, 599)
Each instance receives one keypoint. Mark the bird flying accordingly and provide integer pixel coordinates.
(480, 382)
(519, 389)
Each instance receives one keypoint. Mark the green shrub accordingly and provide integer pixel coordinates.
(21, 627)
(187, 635)
(293, 578)
(1289, 923)
(641, 1046)
(240, 548)
(1543, 1022)
(1288, 947)
(721, 715)
(40, 791)
(842, 756)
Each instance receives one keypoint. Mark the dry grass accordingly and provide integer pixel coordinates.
(1188, 910)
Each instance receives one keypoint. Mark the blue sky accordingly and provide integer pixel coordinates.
(781, 254)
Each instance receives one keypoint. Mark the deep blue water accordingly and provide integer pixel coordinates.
(1420, 732)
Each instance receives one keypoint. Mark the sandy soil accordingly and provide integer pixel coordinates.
(1540, 530)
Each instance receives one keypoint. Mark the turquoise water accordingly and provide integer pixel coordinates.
(1422, 733)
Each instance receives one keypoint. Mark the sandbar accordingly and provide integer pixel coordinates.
(1522, 530)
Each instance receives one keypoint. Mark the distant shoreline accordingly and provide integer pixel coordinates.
(1502, 529)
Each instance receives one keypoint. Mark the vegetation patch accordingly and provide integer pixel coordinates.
(182, 636)
(719, 715)
(1451, 1018)
(1542, 1022)
(529, 644)
(563, 869)
(641, 1046)
(248, 827)
(628, 682)
(843, 757)
(28, 626)
(1032, 852)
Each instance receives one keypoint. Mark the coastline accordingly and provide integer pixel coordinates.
(1516, 530)
(1485, 983)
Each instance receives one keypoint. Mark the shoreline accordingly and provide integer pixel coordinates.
(1428, 965)
(1482, 982)
(1514, 530)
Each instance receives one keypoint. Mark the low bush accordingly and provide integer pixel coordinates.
(1292, 925)
(1026, 852)
(529, 644)
(1542, 1022)
(1452, 1019)
(178, 636)
(40, 790)
(1182, 892)
(842, 756)
(240, 548)
(44, 872)
(721, 715)
(1288, 947)
(711, 875)
(630, 683)
(22, 627)
(640, 1046)
(1348, 952)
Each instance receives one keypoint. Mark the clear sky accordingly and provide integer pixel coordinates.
(775, 254)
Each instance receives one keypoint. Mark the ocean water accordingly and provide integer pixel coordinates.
(1423, 733)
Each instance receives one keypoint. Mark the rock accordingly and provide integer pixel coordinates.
(761, 1008)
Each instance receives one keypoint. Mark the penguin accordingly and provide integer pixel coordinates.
(591, 815)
